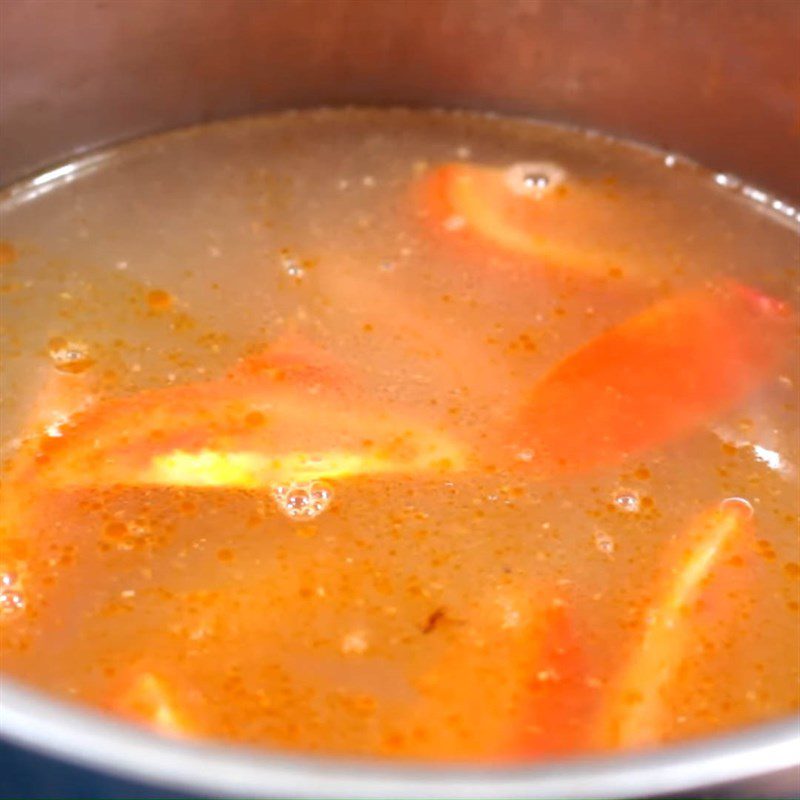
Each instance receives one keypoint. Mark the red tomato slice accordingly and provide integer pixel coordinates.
(652, 378)
(298, 362)
(409, 326)
(510, 685)
(577, 225)
(634, 713)
(274, 418)
(560, 698)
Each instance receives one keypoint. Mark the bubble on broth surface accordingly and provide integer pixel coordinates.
(740, 505)
(604, 542)
(291, 266)
(627, 500)
(534, 179)
(69, 356)
(772, 458)
(303, 501)
(12, 598)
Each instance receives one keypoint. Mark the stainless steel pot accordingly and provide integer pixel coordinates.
(718, 80)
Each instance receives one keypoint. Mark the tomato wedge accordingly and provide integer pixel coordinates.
(635, 713)
(271, 419)
(410, 326)
(652, 378)
(574, 225)
(298, 362)
(559, 695)
(507, 684)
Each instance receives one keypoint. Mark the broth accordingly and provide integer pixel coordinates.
(406, 434)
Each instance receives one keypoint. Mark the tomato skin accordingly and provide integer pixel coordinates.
(514, 677)
(275, 417)
(635, 711)
(560, 695)
(651, 379)
(475, 210)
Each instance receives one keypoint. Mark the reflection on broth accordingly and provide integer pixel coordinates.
(405, 434)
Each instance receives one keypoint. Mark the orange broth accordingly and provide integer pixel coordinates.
(406, 434)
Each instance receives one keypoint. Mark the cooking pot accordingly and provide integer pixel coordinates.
(717, 80)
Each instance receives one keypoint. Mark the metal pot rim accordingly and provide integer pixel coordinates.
(91, 739)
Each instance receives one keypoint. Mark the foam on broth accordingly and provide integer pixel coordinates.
(416, 612)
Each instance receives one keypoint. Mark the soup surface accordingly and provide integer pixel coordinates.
(406, 434)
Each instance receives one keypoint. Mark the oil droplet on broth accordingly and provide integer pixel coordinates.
(159, 300)
(127, 535)
(8, 253)
(303, 501)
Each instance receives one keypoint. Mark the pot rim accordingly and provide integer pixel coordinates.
(91, 739)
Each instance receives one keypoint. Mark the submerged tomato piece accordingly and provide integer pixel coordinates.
(150, 700)
(408, 325)
(298, 362)
(559, 696)
(636, 710)
(569, 224)
(652, 378)
(277, 417)
(510, 685)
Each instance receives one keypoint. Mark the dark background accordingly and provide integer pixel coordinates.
(25, 775)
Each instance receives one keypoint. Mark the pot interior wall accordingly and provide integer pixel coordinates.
(716, 79)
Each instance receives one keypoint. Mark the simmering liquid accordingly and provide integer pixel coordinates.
(406, 434)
